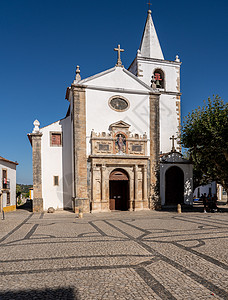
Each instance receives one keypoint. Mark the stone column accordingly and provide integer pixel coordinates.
(103, 168)
(136, 185)
(154, 151)
(131, 180)
(93, 191)
(37, 173)
(81, 201)
(104, 189)
(145, 197)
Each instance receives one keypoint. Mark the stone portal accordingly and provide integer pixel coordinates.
(119, 190)
(174, 186)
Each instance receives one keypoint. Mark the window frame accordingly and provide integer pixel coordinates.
(8, 199)
(54, 178)
(61, 137)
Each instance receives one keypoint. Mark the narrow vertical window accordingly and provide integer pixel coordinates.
(56, 180)
(8, 199)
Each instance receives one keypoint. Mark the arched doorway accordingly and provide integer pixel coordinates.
(174, 186)
(119, 190)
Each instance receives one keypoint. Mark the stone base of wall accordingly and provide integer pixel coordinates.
(155, 203)
(37, 205)
(140, 205)
(81, 205)
(100, 206)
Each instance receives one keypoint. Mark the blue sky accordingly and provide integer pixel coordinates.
(43, 41)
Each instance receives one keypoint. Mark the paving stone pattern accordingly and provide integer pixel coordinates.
(120, 255)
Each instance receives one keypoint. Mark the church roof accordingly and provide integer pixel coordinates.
(150, 46)
(121, 74)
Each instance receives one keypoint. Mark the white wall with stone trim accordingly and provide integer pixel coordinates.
(169, 122)
(99, 115)
(175, 160)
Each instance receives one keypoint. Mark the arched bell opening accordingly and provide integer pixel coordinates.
(174, 186)
(158, 79)
(119, 190)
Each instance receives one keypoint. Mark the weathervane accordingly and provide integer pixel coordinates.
(119, 62)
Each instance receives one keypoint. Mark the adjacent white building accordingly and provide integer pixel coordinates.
(7, 184)
(105, 154)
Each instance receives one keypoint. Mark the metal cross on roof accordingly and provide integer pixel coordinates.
(173, 140)
(119, 62)
(149, 4)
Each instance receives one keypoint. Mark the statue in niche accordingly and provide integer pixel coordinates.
(120, 143)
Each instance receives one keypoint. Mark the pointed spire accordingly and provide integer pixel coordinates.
(150, 46)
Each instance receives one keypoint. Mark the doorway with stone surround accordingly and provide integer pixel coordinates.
(119, 190)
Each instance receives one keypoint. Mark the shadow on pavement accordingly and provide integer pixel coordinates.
(61, 293)
(196, 207)
(26, 206)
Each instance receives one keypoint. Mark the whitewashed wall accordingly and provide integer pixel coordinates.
(171, 71)
(205, 189)
(168, 111)
(56, 161)
(99, 115)
(11, 175)
(175, 159)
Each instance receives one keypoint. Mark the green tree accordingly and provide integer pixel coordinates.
(205, 134)
(18, 190)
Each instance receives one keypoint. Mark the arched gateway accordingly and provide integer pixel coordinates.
(174, 186)
(119, 190)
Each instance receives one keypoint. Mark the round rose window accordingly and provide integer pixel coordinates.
(118, 103)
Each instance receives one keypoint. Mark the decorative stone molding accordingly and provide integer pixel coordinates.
(118, 141)
(102, 167)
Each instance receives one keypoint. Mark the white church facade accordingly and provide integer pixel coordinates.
(112, 151)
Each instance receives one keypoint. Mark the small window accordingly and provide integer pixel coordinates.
(56, 139)
(8, 199)
(119, 103)
(56, 180)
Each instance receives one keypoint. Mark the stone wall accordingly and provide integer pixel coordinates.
(81, 201)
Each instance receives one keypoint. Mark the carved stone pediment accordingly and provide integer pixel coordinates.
(120, 126)
(118, 141)
(174, 157)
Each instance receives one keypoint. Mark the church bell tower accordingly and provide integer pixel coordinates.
(163, 76)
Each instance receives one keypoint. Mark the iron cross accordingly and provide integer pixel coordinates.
(119, 62)
(173, 140)
(149, 4)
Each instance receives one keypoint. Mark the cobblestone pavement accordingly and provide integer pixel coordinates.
(120, 255)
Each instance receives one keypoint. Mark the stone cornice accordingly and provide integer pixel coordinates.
(31, 135)
(169, 62)
(116, 90)
(116, 156)
(170, 93)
